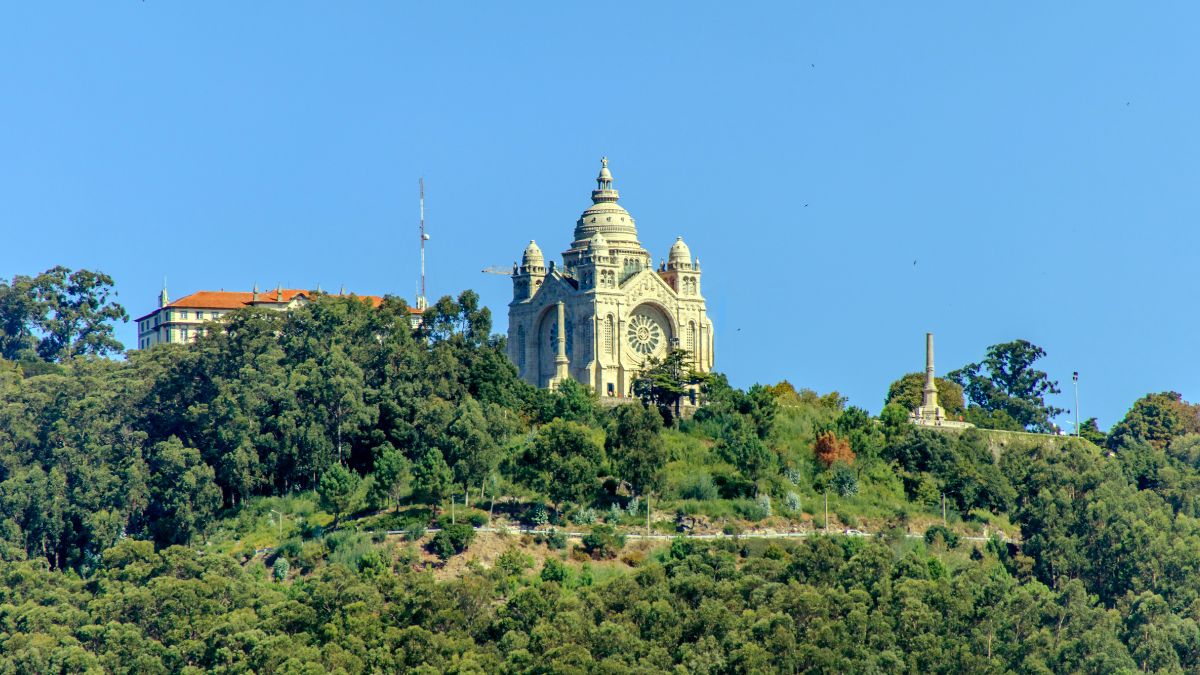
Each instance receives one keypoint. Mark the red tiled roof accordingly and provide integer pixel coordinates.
(239, 299)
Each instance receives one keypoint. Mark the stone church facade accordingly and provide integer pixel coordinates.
(606, 311)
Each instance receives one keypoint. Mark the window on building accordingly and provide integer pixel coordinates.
(200, 315)
(608, 335)
(183, 314)
(521, 348)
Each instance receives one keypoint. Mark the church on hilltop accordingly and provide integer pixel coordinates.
(606, 311)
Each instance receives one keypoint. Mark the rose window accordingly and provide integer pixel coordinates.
(644, 334)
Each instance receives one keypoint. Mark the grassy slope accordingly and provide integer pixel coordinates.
(255, 526)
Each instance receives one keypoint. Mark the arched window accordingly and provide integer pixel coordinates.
(608, 335)
(521, 348)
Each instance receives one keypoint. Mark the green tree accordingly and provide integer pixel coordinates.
(473, 452)
(18, 311)
(68, 313)
(279, 570)
(758, 406)
(1156, 419)
(866, 437)
(663, 383)
(635, 448)
(451, 540)
(431, 477)
(844, 481)
(570, 401)
(1186, 449)
(463, 317)
(894, 418)
(390, 469)
(553, 570)
(741, 446)
(184, 497)
(907, 392)
(333, 390)
(603, 542)
(337, 490)
(1006, 381)
(563, 461)
(1090, 429)
(80, 310)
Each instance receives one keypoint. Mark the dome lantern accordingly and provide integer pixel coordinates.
(606, 215)
(604, 191)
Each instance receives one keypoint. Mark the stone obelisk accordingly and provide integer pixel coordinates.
(929, 413)
(929, 399)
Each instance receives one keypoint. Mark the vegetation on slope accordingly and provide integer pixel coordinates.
(135, 497)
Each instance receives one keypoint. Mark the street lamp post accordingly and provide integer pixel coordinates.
(1075, 379)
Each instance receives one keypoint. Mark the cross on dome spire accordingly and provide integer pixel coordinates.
(604, 191)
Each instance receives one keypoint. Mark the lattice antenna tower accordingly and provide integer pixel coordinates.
(422, 303)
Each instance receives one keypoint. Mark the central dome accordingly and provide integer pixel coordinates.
(605, 215)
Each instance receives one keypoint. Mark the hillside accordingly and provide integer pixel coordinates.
(332, 490)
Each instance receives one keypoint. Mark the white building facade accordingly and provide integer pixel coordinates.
(191, 316)
(606, 312)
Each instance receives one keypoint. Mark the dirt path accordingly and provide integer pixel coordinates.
(765, 534)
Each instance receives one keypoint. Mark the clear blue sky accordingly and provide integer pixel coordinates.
(1039, 164)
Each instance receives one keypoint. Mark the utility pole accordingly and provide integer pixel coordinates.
(492, 507)
(1075, 379)
(944, 524)
(826, 510)
(280, 523)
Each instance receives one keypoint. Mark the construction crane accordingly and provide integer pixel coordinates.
(498, 269)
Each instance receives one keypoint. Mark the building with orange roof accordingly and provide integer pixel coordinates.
(189, 317)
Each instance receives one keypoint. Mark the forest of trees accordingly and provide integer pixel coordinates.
(114, 473)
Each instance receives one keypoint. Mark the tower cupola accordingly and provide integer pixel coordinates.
(533, 257)
(529, 275)
(680, 257)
